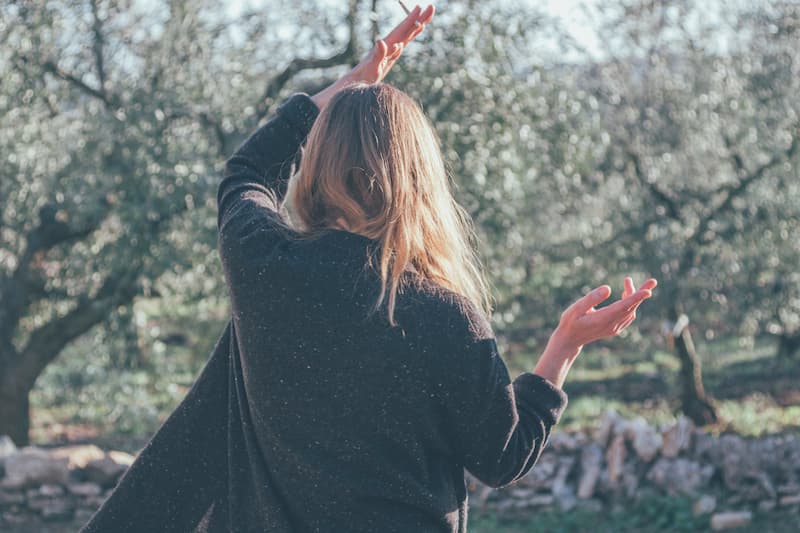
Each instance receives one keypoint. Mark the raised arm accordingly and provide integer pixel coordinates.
(256, 176)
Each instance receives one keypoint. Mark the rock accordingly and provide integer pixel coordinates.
(615, 458)
(122, 458)
(645, 439)
(737, 462)
(49, 491)
(788, 488)
(541, 475)
(730, 520)
(793, 499)
(7, 446)
(766, 506)
(591, 462)
(676, 476)
(563, 442)
(32, 466)
(84, 489)
(608, 421)
(677, 437)
(106, 471)
(522, 493)
(78, 456)
(566, 501)
(559, 484)
(562, 492)
(57, 509)
(705, 505)
(630, 479)
(541, 500)
(11, 498)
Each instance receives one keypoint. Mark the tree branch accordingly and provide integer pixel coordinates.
(46, 342)
(52, 68)
(730, 194)
(276, 84)
(664, 198)
(97, 47)
(18, 289)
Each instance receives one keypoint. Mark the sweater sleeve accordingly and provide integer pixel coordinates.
(256, 177)
(182, 470)
(498, 427)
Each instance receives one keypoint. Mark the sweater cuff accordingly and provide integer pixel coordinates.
(300, 111)
(542, 395)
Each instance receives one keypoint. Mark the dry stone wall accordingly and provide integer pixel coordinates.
(620, 461)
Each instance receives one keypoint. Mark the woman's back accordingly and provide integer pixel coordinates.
(359, 425)
(353, 424)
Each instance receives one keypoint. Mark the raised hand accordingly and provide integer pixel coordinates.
(581, 323)
(375, 65)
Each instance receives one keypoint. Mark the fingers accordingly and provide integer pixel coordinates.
(590, 300)
(650, 284)
(380, 51)
(628, 287)
(411, 26)
(405, 28)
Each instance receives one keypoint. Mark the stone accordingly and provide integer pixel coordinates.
(679, 476)
(730, 520)
(591, 463)
(32, 466)
(58, 509)
(49, 490)
(561, 490)
(522, 493)
(541, 475)
(559, 484)
(11, 498)
(677, 437)
(7, 446)
(84, 489)
(563, 442)
(766, 506)
(704, 505)
(78, 456)
(608, 421)
(645, 439)
(792, 499)
(107, 470)
(615, 458)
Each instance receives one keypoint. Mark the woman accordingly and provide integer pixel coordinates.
(359, 375)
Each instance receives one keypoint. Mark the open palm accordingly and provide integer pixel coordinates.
(374, 67)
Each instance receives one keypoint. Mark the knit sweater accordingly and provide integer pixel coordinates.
(313, 415)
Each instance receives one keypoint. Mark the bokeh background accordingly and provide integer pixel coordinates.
(589, 141)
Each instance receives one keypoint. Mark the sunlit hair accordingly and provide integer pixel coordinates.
(373, 159)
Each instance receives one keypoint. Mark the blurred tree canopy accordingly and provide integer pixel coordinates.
(671, 152)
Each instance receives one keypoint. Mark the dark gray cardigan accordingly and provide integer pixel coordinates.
(312, 416)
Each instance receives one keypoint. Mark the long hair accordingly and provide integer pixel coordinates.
(373, 159)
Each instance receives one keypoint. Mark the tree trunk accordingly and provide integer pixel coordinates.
(788, 345)
(695, 403)
(14, 412)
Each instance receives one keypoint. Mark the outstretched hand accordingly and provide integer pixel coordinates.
(581, 323)
(375, 65)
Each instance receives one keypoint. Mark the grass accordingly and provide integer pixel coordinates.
(647, 515)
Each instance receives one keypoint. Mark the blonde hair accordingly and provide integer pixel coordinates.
(373, 159)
